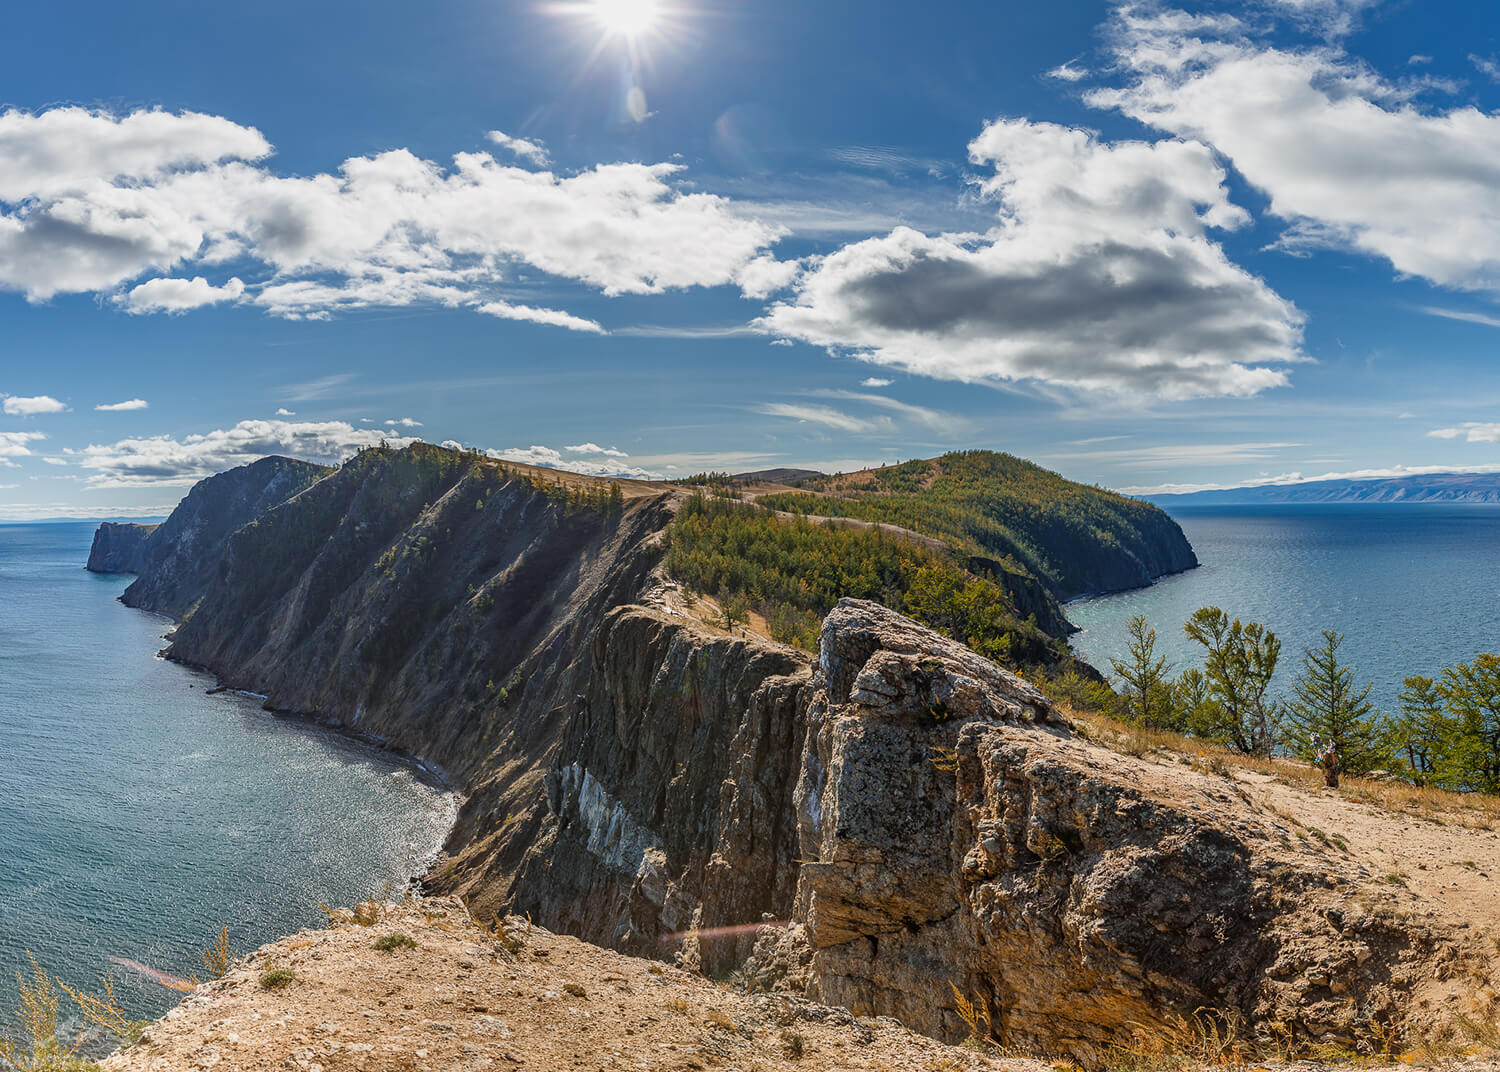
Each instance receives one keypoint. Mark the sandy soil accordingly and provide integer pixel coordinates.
(463, 1000)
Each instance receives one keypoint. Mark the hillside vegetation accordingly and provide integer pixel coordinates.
(1074, 538)
(794, 571)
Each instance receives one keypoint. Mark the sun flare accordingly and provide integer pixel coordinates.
(628, 18)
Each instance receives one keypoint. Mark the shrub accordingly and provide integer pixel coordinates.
(389, 943)
(277, 978)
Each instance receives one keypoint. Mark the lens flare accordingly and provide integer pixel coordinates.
(628, 18)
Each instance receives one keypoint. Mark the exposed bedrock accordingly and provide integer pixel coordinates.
(119, 548)
(904, 818)
(877, 827)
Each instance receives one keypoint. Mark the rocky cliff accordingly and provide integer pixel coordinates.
(120, 548)
(879, 827)
(176, 559)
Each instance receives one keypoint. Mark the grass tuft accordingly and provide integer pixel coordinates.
(389, 943)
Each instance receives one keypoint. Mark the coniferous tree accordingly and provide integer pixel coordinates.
(1191, 703)
(1146, 698)
(1422, 733)
(1471, 694)
(1239, 663)
(1327, 705)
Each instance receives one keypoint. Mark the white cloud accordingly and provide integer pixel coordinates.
(595, 448)
(163, 460)
(116, 407)
(1183, 454)
(1470, 432)
(282, 411)
(405, 422)
(1459, 314)
(74, 151)
(533, 151)
(1332, 18)
(179, 295)
(1418, 59)
(554, 317)
(826, 416)
(1487, 66)
(875, 381)
(1066, 72)
(1345, 156)
(91, 201)
(920, 414)
(55, 461)
(13, 445)
(1098, 277)
(764, 276)
(548, 458)
(30, 407)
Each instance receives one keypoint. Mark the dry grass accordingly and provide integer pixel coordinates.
(1200, 1039)
(218, 957)
(1473, 810)
(40, 1049)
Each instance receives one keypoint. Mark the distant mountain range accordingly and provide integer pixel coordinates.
(1427, 488)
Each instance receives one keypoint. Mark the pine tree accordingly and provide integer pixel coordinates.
(1146, 698)
(1422, 734)
(1239, 662)
(1328, 706)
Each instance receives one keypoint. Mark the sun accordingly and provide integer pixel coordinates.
(627, 18)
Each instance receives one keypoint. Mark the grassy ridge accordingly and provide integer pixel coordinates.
(794, 571)
(1075, 538)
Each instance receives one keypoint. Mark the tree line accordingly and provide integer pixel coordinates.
(1445, 731)
(793, 571)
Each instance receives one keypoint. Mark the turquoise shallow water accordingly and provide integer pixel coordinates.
(1412, 588)
(137, 813)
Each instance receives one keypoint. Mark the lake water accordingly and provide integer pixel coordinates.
(138, 813)
(1412, 588)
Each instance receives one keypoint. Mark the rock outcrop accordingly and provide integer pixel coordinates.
(119, 548)
(177, 559)
(876, 828)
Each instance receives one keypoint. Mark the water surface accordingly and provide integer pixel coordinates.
(138, 813)
(1413, 588)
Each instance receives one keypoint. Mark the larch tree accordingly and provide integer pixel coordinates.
(1422, 733)
(1146, 696)
(1471, 694)
(1239, 663)
(1328, 706)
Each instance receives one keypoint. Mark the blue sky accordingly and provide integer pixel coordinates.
(1147, 245)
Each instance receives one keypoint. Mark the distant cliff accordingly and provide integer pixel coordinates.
(119, 548)
(174, 561)
(1427, 488)
(1073, 538)
(873, 827)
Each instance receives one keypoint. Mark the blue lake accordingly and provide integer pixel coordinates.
(138, 813)
(1412, 588)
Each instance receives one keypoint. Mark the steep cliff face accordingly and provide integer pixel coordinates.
(177, 559)
(901, 818)
(119, 548)
(872, 828)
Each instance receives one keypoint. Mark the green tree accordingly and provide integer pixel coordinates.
(1471, 694)
(1146, 696)
(1422, 733)
(1191, 703)
(1239, 663)
(1327, 705)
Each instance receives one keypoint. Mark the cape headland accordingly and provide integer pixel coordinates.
(890, 823)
